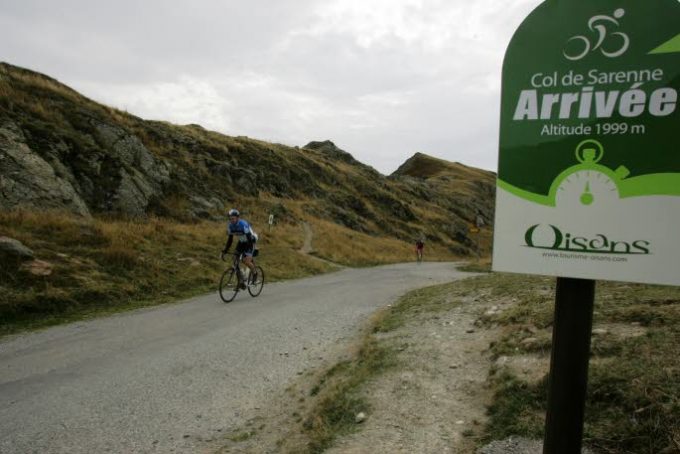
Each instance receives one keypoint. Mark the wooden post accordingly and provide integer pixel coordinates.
(572, 329)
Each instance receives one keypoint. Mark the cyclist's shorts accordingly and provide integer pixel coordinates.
(245, 249)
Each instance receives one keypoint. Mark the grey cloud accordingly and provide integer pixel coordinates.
(422, 78)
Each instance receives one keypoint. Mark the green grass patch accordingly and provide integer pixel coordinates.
(338, 394)
(336, 398)
(518, 408)
(633, 400)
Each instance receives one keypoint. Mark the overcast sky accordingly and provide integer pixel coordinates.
(382, 79)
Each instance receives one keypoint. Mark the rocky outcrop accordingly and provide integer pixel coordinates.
(330, 149)
(27, 180)
(116, 173)
(136, 176)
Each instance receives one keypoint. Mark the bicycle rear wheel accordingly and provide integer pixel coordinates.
(255, 288)
(228, 285)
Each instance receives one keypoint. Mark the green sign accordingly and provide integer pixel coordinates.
(589, 163)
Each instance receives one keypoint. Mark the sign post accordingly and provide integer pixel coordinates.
(271, 221)
(569, 365)
(589, 169)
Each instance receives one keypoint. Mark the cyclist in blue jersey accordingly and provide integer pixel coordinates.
(246, 241)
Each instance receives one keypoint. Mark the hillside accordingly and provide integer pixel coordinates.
(126, 211)
(61, 150)
(469, 185)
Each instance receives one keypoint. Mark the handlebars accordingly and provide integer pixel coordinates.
(235, 254)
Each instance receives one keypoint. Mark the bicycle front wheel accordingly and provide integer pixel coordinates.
(255, 288)
(228, 285)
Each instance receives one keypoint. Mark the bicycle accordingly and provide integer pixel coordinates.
(233, 280)
(420, 245)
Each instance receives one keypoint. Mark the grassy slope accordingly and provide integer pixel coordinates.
(107, 265)
(203, 164)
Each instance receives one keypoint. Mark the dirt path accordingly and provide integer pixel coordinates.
(308, 249)
(437, 394)
(309, 235)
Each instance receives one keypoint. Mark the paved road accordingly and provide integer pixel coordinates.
(168, 378)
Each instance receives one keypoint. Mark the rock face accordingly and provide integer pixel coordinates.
(28, 181)
(117, 175)
(135, 176)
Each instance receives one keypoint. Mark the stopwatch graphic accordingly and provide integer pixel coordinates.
(588, 183)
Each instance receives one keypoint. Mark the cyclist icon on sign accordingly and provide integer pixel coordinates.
(616, 42)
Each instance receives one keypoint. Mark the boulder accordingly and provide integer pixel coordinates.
(14, 250)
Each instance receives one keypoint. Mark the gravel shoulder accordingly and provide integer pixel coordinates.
(436, 399)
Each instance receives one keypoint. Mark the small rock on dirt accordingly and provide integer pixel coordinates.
(502, 360)
(360, 417)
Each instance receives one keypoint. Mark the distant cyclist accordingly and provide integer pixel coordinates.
(420, 245)
(246, 241)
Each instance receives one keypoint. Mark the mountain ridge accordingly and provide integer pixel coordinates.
(64, 151)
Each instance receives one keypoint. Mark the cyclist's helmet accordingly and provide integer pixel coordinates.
(234, 212)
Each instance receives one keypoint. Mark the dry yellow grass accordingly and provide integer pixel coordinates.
(34, 80)
(347, 247)
(103, 265)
